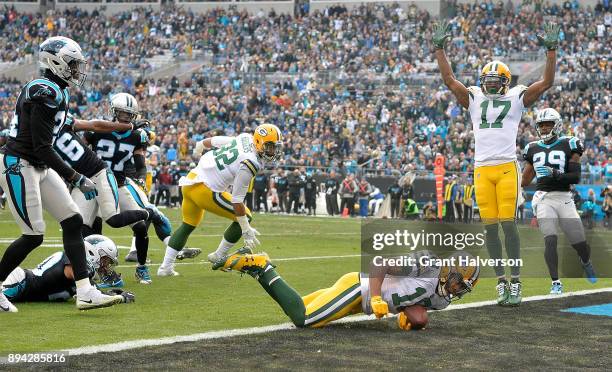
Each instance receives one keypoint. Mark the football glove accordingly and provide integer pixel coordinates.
(543, 171)
(142, 123)
(250, 238)
(441, 34)
(87, 187)
(198, 149)
(128, 297)
(142, 184)
(379, 306)
(550, 39)
(403, 322)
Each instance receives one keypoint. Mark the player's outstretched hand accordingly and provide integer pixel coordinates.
(441, 34)
(250, 238)
(550, 38)
(379, 306)
(87, 187)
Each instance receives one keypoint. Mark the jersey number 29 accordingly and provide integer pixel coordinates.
(555, 158)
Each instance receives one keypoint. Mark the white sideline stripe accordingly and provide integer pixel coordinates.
(127, 345)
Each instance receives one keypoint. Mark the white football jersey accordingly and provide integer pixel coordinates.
(495, 123)
(218, 168)
(402, 291)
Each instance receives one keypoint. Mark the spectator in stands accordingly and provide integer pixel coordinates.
(164, 182)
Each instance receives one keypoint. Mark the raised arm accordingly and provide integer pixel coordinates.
(209, 143)
(100, 126)
(550, 40)
(439, 39)
(528, 175)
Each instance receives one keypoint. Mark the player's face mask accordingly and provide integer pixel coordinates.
(106, 266)
(545, 128)
(455, 287)
(124, 116)
(272, 151)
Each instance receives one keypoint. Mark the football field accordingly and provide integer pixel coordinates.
(310, 253)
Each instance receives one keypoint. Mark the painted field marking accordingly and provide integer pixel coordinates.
(134, 344)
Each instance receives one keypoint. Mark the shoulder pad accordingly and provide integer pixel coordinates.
(45, 91)
(251, 166)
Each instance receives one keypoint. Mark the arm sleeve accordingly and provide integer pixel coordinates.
(218, 141)
(139, 164)
(42, 141)
(526, 156)
(572, 176)
(241, 183)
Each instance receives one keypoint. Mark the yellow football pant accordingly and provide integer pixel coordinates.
(198, 198)
(497, 189)
(149, 182)
(338, 301)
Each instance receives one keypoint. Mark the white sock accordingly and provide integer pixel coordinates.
(170, 257)
(166, 241)
(83, 285)
(224, 246)
(133, 247)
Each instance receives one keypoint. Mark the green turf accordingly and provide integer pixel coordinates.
(202, 300)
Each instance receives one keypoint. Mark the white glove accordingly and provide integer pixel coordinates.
(199, 148)
(248, 233)
(250, 239)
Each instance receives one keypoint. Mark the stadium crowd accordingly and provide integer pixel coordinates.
(347, 88)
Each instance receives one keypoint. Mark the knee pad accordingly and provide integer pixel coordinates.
(140, 228)
(73, 223)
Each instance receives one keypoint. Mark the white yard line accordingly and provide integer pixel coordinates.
(127, 345)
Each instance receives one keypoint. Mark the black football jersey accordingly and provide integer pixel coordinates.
(40, 114)
(76, 153)
(117, 149)
(47, 281)
(556, 155)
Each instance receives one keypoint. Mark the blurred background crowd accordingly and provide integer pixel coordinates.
(352, 90)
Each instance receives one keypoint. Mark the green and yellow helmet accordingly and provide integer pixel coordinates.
(459, 278)
(495, 79)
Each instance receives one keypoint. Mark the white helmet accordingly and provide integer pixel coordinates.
(64, 58)
(126, 103)
(102, 252)
(548, 115)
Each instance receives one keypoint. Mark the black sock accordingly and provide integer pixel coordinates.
(142, 241)
(501, 280)
(86, 231)
(74, 247)
(494, 246)
(515, 280)
(550, 256)
(97, 225)
(17, 252)
(513, 245)
(584, 251)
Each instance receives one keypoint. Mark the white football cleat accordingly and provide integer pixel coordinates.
(216, 257)
(166, 271)
(5, 305)
(94, 299)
